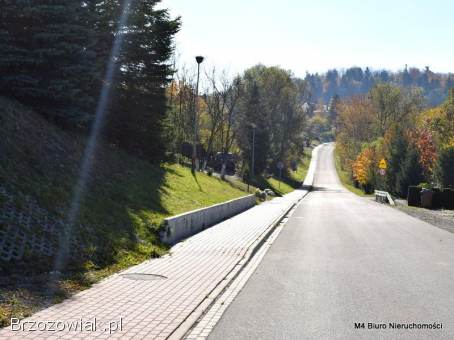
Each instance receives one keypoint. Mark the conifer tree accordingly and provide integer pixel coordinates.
(252, 117)
(135, 121)
(411, 172)
(445, 166)
(46, 58)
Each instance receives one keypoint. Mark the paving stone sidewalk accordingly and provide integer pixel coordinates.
(154, 298)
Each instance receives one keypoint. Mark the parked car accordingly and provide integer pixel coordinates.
(229, 160)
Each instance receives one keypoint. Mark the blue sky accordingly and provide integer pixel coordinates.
(303, 35)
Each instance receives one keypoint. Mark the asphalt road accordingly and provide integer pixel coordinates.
(341, 260)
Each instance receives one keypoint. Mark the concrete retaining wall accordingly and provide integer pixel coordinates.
(184, 225)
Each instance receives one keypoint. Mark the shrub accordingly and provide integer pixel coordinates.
(363, 168)
(424, 185)
(411, 172)
(445, 167)
(260, 194)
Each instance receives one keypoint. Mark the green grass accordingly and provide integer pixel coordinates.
(293, 180)
(303, 167)
(127, 198)
(280, 186)
(183, 191)
(345, 178)
(125, 203)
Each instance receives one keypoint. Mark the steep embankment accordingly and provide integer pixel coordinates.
(127, 197)
(126, 201)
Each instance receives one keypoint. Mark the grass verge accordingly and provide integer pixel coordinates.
(292, 180)
(121, 213)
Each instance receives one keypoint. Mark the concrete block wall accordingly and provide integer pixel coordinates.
(29, 228)
(187, 224)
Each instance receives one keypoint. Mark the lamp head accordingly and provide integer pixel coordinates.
(199, 59)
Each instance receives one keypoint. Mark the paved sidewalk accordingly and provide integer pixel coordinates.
(153, 307)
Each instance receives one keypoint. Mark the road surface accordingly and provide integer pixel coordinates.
(341, 260)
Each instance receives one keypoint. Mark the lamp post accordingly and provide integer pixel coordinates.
(254, 126)
(195, 161)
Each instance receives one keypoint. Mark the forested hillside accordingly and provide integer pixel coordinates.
(356, 81)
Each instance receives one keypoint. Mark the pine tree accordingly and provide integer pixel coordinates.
(332, 109)
(406, 78)
(143, 71)
(331, 78)
(411, 172)
(368, 81)
(445, 167)
(397, 146)
(449, 83)
(46, 60)
(251, 117)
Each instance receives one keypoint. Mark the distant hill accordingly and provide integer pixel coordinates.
(356, 81)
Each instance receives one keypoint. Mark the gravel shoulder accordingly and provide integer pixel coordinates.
(443, 219)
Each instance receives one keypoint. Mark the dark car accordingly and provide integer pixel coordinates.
(228, 158)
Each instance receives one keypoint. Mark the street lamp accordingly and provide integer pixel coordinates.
(195, 162)
(254, 126)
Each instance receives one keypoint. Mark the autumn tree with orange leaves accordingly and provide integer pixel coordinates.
(363, 168)
(384, 125)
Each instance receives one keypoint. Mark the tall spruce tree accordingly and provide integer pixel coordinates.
(411, 172)
(397, 147)
(445, 166)
(251, 116)
(46, 60)
(143, 70)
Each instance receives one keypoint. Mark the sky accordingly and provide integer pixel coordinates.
(315, 35)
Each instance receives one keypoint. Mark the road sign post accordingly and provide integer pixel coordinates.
(280, 166)
(382, 165)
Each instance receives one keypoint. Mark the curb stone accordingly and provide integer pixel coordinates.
(187, 325)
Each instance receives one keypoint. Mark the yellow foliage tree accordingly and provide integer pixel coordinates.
(355, 127)
(363, 166)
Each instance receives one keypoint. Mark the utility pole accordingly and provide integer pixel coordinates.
(195, 161)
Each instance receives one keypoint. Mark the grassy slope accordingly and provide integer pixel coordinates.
(127, 200)
(344, 177)
(124, 206)
(127, 197)
(288, 184)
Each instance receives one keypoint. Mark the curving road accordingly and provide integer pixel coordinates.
(342, 260)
